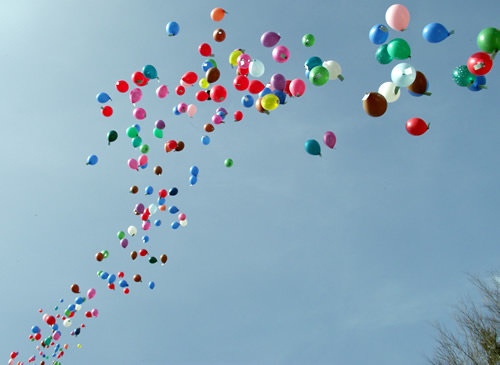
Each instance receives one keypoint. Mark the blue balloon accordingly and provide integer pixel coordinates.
(435, 33)
(173, 191)
(71, 307)
(265, 91)
(123, 283)
(193, 180)
(157, 223)
(173, 209)
(172, 29)
(145, 239)
(161, 201)
(378, 34)
(103, 98)
(312, 62)
(281, 96)
(151, 285)
(478, 82)
(79, 300)
(312, 147)
(35, 329)
(148, 190)
(205, 140)
(92, 160)
(207, 65)
(175, 111)
(194, 170)
(222, 114)
(138, 127)
(150, 72)
(144, 166)
(104, 275)
(55, 327)
(247, 101)
(175, 225)
(111, 278)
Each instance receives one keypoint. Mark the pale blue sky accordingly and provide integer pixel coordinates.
(287, 258)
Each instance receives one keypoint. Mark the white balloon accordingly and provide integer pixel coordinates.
(184, 223)
(67, 322)
(403, 74)
(256, 68)
(334, 69)
(390, 91)
(132, 231)
(152, 209)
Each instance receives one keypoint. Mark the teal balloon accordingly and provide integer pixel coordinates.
(136, 142)
(383, 57)
(312, 147)
(150, 72)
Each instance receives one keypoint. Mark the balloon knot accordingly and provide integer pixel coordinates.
(341, 78)
(451, 32)
(427, 93)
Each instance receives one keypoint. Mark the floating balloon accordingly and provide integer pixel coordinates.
(139, 79)
(399, 49)
(112, 136)
(205, 50)
(270, 39)
(462, 76)
(312, 147)
(219, 35)
(212, 75)
(243, 61)
(139, 113)
(488, 40)
(162, 91)
(189, 77)
(308, 40)
(334, 70)
(278, 82)
(205, 140)
(389, 91)
(180, 90)
(374, 104)
(201, 95)
(255, 86)
(378, 34)
(319, 76)
(151, 285)
(217, 14)
(397, 17)
(420, 85)
(103, 98)
(416, 126)
(297, 87)
(172, 29)
(158, 170)
(218, 93)
(132, 163)
(238, 115)
(149, 71)
(403, 74)
(107, 111)
(281, 54)
(75, 289)
(256, 68)
(479, 63)
(435, 33)
(92, 160)
(91, 293)
(228, 162)
(270, 102)
(382, 56)
(329, 139)
(121, 86)
(478, 84)
(132, 231)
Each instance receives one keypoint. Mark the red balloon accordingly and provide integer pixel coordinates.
(218, 93)
(120, 275)
(162, 193)
(111, 286)
(479, 63)
(126, 290)
(75, 288)
(143, 252)
(38, 336)
(238, 115)
(255, 86)
(180, 90)
(107, 111)
(242, 71)
(50, 320)
(287, 88)
(13, 355)
(241, 83)
(416, 126)
(205, 50)
(190, 77)
(122, 86)
(88, 314)
(172, 144)
(139, 79)
(201, 95)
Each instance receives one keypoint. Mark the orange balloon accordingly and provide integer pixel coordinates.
(217, 14)
(162, 207)
(167, 148)
(208, 127)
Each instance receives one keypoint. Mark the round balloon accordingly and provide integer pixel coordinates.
(397, 17)
(374, 104)
(435, 33)
(378, 34)
(329, 139)
(312, 147)
(416, 126)
(172, 29)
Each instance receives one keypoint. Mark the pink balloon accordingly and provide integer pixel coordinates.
(146, 225)
(94, 312)
(329, 139)
(397, 17)
(297, 87)
(56, 336)
(216, 119)
(184, 83)
(243, 60)
(281, 54)
(139, 113)
(182, 216)
(91, 293)
(135, 95)
(143, 160)
(182, 107)
(132, 163)
(162, 91)
(191, 110)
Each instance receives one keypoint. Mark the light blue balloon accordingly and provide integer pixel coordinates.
(435, 33)
(175, 111)
(103, 98)
(378, 34)
(138, 127)
(193, 180)
(92, 160)
(403, 74)
(150, 72)
(205, 140)
(175, 225)
(151, 285)
(312, 147)
(194, 170)
(173, 209)
(247, 101)
(172, 29)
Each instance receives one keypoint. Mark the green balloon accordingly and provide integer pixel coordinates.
(462, 76)
(153, 260)
(144, 148)
(382, 56)
(308, 40)
(488, 40)
(399, 49)
(319, 75)
(112, 136)
(212, 61)
(136, 141)
(158, 132)
(228, 162)
(132, 132)
(121, 235)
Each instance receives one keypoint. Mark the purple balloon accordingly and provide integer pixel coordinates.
(270, 39)
(160, 124)
(278, 82)
(139, 208)
(124, 243)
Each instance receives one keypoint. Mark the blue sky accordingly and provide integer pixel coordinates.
(287, 258)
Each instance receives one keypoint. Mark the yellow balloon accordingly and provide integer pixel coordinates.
(270, 101)
(203, 83)
(233, 57)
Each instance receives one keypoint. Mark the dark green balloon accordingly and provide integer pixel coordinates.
(382, 56)
(399, 49)
(112, 136)
(488, 40)
(319, 75)
(462, 76)
(153, 260)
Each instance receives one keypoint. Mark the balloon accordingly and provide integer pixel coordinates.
(133, 255)
(218, 93)
(228, 162)
(217, 14)
(312, 147)
(308, 40)
(241, 83)
(123, 283)
(270, 39)
(67, 322)
(121, 86)
(193, 180)
(163, 259)
(389, 91)
(173, 191)
(219, 35)
(488, 40)
(212, 75)
(297, 87)
(233, 57)
(75, 289)
(420, 85)
(205, 50)
(238, 115)
(94, 312)
(319, 76)
(172, 29)
(374, 104)
(151, 285)
(132, 230)
(152, 260)
(398, 17)
(216, 119)
(399, 49)
(107, 111)
(478, 84)
(201, 95)
(158, 170)
(139, 113)
(256, 68)
(281, 54)
(378, 34)
(162, 91)
(137, 278)
(278, 82)
(132, 132)
(247, 101)
(124, 242)
(255, 86)
(190, 77)
(92, 160)
(173, 209)
(103, 98)
(139, 79)
(112, 136)
(329, 139)
(205, 140)
(435, 33)
(403, 74)
(180, 90)
(91, 293)
(243, 61)
(312, 62)
(270, 102)
(416, 126)
(182, 107)
(382, 56)
(150, 72)
(144, 148)
(132, 163)
(462, 76)
(479, 63)
(121, 235)
(134, 189)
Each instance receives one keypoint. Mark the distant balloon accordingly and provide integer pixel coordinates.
(205, 140)
(162, 91)
(281, 54)
(151, 285)
(112, 136)
(107, 111)
(479, 63)
(150, 72)
(91, 293)
(329, 139)
(462, 76)
(435, 33)
(217, 14)
(103, 98)
(403, 74)
(312, 147)
(228, 162)
(389, 91)
(256, 68)
(92, 160)
(488, 40)
(399, 49)
(219, 35)
(308, 40)
(172, 29)
(416, 126)
(133, 164)
(121, 86)
(297, 87)
(75, 289)
(420, 85)
(382, 56)
(270, 39)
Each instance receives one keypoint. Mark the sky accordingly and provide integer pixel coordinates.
(287, 258)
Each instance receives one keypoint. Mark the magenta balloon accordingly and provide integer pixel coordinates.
(160, 124)
(135, 95)
(132, 163)
(139, 208)
(124, 242)
(146, 225)
(281, 54)
(91, 293)
(162, 91)
(143, 160)
(139, 113)
(297, 87)
(329, 139)
(278, 82)
(270, 39)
